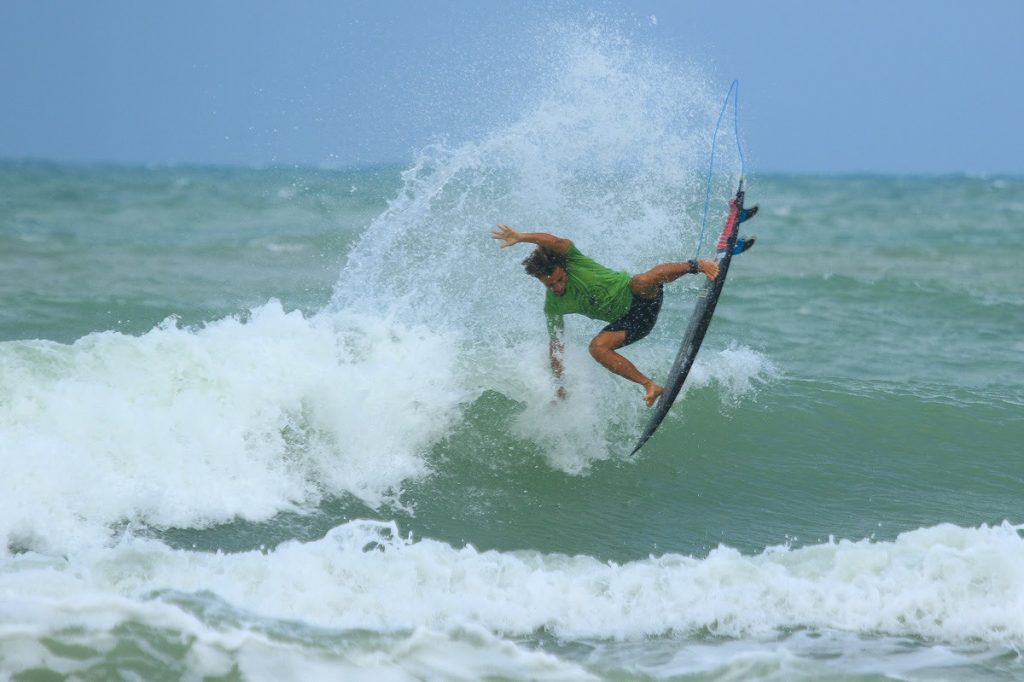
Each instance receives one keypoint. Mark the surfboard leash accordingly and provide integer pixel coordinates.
(734, 95)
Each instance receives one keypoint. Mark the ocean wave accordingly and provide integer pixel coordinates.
(241, 418)
(249, 417)
(942, 584)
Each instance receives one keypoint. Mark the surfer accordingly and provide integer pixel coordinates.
(578, 284)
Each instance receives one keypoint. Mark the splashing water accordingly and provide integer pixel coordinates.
(279, 410)
(612, 154)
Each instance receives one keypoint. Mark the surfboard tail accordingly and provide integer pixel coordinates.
(732, 224)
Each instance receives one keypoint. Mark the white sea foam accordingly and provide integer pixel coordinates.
(245, 418)
(200, 649)
(737, 369)
(241, 418)
(942, 584)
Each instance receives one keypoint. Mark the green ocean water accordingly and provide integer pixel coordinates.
(854, 424)
(271, 424)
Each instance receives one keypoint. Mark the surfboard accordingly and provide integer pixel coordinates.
(703, 311)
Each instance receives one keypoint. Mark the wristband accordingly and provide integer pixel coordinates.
(693, 266)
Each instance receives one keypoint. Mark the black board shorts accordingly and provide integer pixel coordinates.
(639, 320)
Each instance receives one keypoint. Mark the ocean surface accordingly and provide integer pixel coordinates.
(297, 424)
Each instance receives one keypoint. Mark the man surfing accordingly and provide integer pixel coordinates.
(578, 284)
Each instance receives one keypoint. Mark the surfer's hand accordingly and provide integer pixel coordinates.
(708, 267)
(506, 234)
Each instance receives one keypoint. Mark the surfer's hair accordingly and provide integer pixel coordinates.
(542, 262)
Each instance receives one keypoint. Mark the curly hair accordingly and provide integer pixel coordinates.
(542, 262)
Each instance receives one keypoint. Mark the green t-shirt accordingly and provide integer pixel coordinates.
(591, 289)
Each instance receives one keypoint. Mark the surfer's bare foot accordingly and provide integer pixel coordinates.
(653, 391)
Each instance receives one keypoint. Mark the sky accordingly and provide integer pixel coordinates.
(872, 86)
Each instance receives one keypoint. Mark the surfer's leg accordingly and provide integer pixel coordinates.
(603, 348)
(646, 283)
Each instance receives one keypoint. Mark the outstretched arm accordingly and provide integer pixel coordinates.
(555, 349)
(511, 237)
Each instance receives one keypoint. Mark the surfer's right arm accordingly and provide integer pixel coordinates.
(555, 349)
(511, 237)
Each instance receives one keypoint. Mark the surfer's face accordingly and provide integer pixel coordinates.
(555, 282)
